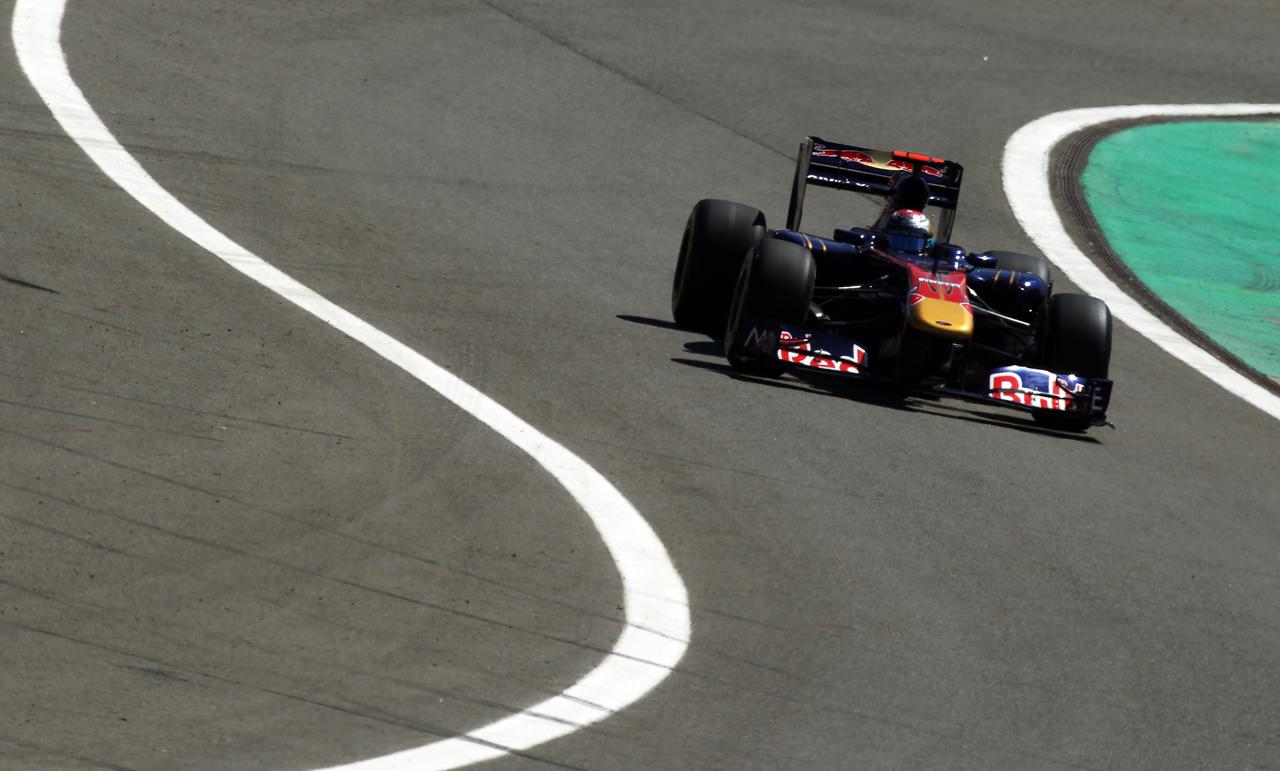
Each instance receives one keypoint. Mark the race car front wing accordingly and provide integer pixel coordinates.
(1027, 389)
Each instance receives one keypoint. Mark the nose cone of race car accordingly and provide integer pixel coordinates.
(941, 317)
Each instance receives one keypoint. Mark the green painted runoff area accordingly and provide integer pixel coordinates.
(1193, 209)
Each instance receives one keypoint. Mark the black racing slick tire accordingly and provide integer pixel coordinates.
(1077, 342)
(1024, 263)
(716, 238)
(775, 284)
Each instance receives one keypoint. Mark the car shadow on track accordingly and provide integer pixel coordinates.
(649, 321)
(705, 347)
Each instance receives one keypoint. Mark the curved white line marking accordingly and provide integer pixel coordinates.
(656, 631)
(1026, 183)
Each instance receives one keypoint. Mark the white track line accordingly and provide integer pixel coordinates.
(656, 631)
(1026, 183)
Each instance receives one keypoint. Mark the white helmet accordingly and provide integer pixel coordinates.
(909, 231)
(909, 222)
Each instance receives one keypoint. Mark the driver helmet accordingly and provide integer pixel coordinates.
(909, 230)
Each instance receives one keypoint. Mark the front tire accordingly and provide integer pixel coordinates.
(1077, 342)
(775, 284)
(716, 238)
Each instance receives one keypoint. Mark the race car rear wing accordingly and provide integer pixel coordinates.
(875, 172)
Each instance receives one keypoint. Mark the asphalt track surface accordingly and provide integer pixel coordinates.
(234, 539)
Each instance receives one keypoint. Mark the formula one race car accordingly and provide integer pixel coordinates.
(894, 302)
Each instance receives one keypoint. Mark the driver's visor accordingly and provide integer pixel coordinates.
(903, 242)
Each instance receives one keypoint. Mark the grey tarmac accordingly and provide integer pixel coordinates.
(230, 538)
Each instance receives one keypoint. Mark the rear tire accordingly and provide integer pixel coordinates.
(1024, 263)
(775, 283)
(716, 238)
(1077, 342)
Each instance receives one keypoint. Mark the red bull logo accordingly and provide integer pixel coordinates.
(852, 156)
(865, 159)
(794, 350)
(951, 286)
(904, 166)
(1008, 386)
(941, 289)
